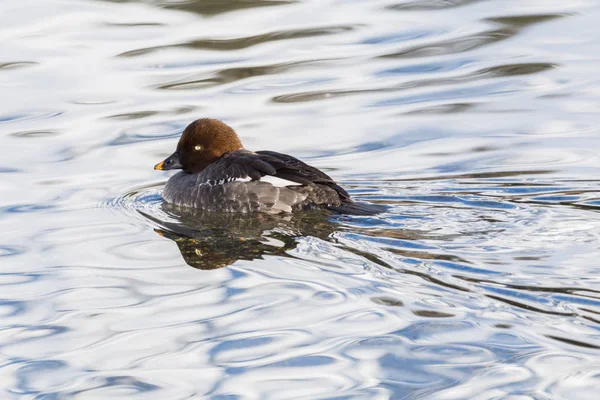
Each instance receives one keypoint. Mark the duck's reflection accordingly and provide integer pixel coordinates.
(215, 240)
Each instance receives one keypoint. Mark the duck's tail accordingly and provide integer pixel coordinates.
(353, 208)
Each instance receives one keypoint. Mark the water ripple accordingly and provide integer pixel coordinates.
(474, 123)
(244, 42)
(430, 5)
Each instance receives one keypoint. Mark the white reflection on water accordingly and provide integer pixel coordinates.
(475, 121)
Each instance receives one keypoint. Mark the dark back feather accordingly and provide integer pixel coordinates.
(292, 169)
(247, 164)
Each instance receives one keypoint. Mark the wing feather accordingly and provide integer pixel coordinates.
(254, 165)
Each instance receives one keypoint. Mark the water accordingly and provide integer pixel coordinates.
(475, 121)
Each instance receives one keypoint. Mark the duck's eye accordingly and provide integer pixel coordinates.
(198, 147)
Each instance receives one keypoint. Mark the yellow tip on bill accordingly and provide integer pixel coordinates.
(159, 166)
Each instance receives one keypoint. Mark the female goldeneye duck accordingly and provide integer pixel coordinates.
(218, 174)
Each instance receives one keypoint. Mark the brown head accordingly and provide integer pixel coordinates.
(201, 143)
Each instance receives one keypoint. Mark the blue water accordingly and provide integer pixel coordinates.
(476, 122)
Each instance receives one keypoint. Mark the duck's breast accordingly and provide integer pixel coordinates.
(240, 195)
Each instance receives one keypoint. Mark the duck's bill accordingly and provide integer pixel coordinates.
(171, 162)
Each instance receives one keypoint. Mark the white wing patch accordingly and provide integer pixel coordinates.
(226, 180)
(246, 179)
(278, 182)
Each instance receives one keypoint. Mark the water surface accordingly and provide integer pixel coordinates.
(476, 122)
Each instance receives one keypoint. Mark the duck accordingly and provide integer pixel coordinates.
(217, 174)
